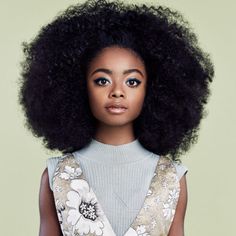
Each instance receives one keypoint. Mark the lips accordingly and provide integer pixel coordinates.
(116, 109)
(116, 105)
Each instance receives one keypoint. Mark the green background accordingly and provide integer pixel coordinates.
(211, 162)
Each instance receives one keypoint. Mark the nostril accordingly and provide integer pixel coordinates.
(117, 95)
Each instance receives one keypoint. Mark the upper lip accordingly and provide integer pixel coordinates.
(117, 105)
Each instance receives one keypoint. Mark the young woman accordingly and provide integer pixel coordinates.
(120, 91)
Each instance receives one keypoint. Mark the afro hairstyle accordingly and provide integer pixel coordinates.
(53, 93)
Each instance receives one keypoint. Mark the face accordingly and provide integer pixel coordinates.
(116, 84)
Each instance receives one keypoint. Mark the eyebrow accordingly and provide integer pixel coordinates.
(107, 71)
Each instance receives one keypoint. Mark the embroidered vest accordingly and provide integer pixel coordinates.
(80, 213)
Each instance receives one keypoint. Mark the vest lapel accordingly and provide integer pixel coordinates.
(78, 209)
(80, 213)
(157, 213)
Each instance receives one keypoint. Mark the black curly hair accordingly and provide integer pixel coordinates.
(53, 92)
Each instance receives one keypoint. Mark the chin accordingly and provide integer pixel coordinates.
(115, 122)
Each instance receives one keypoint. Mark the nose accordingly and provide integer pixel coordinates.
(117, 92)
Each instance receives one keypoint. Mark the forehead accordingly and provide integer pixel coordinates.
(114, 56)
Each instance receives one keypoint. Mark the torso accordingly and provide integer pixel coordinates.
(80, 213)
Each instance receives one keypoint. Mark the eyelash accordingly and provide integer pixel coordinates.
(100, 79)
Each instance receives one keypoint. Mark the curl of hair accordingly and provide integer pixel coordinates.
(53, 92)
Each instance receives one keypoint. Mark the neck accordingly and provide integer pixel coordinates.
(115, 135)
(114, 154)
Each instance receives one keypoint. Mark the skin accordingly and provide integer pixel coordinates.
(49, 224)
(114, 85)
(114, 129)
(177, 226)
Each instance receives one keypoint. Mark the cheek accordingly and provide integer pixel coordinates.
(136, 103)
(137, 98)
(96, 101)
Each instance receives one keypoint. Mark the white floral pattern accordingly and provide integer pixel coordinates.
(80, 213)
(168, 212)
(168, 209)
(55, 174)
(173, 196)
(149, 192)
(141, 231)
(70, 173)
(58, 188)
(153, 223)
(83, 209)
(60, 208)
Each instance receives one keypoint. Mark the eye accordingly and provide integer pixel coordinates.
(100, 81)
(133, 81)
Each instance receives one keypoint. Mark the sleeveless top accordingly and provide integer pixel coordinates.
(80, 213)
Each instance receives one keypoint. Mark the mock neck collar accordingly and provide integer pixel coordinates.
(112, 154)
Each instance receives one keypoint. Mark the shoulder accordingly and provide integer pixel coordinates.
(53, 160)
(44, 184)
(45, 177)
(179, 168)
(52, 163)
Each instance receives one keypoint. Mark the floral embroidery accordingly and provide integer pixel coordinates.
(157, 199)
(79, 212)
(173, 196)
(141, 231)
(168, 212)
(164, 182)
(60, 208)
(162, 167)
(153, 223)
(169, 209)
(159, 207)
(83, 209)
(70, 173)
(149, 192)
(58, 188)
(145, 206)
(55, 173)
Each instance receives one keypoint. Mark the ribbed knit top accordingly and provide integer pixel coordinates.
(114, 154)
(119, 175)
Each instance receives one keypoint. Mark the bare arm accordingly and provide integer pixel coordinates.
(177, 226)
(49, 224)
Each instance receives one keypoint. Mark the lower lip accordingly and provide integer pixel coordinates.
(116, 110)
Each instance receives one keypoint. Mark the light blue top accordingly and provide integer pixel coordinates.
(119, 175)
